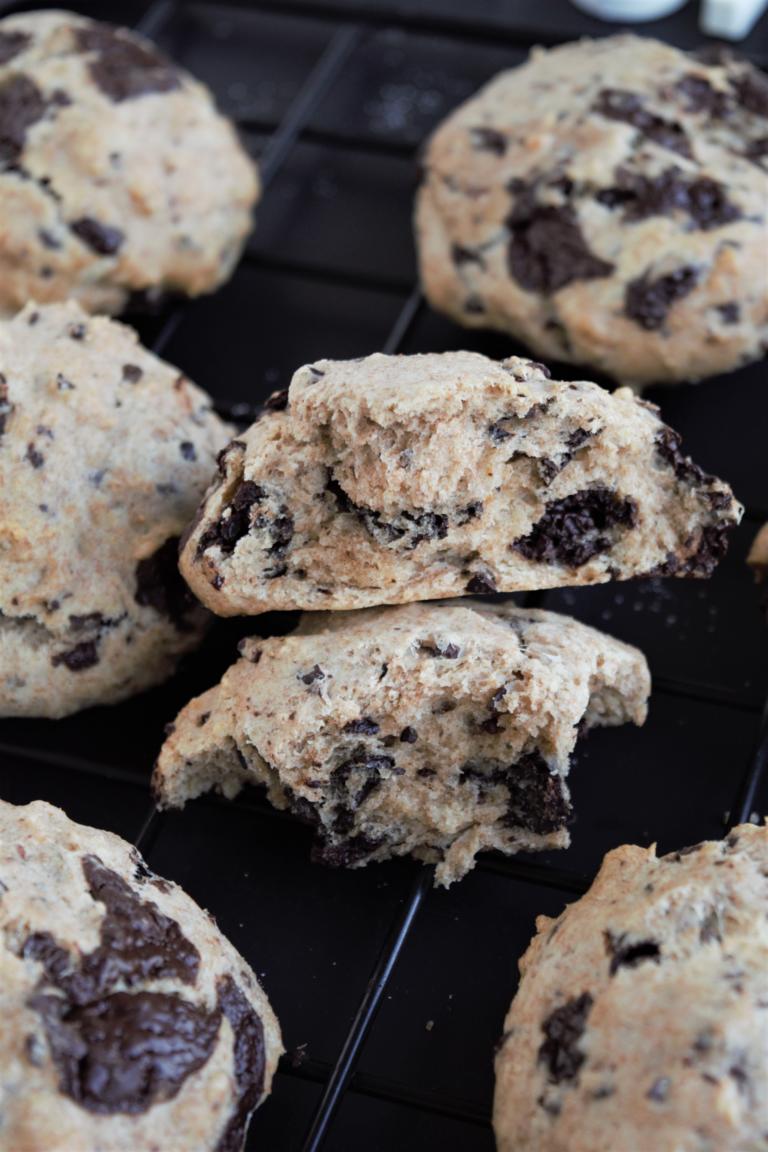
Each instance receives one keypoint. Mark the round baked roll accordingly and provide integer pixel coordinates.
(606, 203)
(641, 1021)
(129, 1022)
(105, 451)
(117, 174)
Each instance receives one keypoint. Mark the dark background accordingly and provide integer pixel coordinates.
(335, 99)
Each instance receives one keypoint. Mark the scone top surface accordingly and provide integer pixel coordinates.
(398, 478)
(606, 203)
(129, 1022)
(117, 174)
(432, 729)
(641, 1021)
(104, 452)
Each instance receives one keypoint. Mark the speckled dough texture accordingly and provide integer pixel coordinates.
(130, 1024)
(399, 478)
(104, 453)
(606, 204)
(117, 174)
(641, 1021)
(437, 730)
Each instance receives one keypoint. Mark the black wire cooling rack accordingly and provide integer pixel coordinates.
(391, 994)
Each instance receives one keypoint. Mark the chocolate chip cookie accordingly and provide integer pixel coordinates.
(606, 203)
(438, 730)
(104, 453)
(129, 1022)
(117, 174)
(641, 1018)
(399, 478)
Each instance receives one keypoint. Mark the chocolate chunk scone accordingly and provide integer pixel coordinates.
(607, 204)
(437, 730)
(117, 174)
(641, 1021)
(130, 1024)
(399, 478)
(104, 453)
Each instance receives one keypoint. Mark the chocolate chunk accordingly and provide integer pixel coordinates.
(235, 447)
(669, 447)
(365, 726)
(132, 373)
(409, 735)
(344, 853)
(701, 563)
(449, 652)
(628, 107)
(488, 140)
(159, 585)
(21, 105)
(123, 1052)
(48, 240)
(100, 238)
(578, 527)
(314, 674)
(83, 655)
(6, 408)
(659, 1090)
(235, 520)
(88, 622)
(11, 44)
(481, 584)
(700, 96)
(462, 256)
(751, 88)
(537, 801)
(124, 67)
(626, 955)
(249, 1061)
(648, 301)
(117, 1050)
(547, 249)
(353, 781)
(563, 1029)
(729, 312)
(704, 200)
(277, 402)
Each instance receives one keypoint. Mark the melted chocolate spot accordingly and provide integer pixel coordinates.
(547, 249)
(711, 548)
(409, 735)
(563, 1030)
(159, 585)
(235, 520)
(11, 44)
(700, 96)
(628, 107)
(365, 726)
(536, 798)
(21, 105)
(669, 447)
(481, 585)
(648, 301)
(730, 313)
(100, 238)
(124, 67)
(187, 449)
(344, 853)
(578, 527)
(314, 674)
(250, 1062)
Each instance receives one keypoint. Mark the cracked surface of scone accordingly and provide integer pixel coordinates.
(641, 1021)
(438, 730)
(117, 174)
(130, 1023)
(104, 453)
(400, 478)
(605, 203)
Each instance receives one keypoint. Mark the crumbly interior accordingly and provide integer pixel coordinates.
(104, 452)
(437, 730)
(402, 478)
(640, 1021)
(605, 202)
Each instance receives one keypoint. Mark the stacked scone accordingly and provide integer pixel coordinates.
(443, 727)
